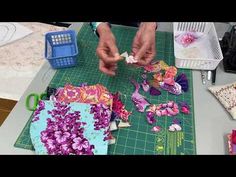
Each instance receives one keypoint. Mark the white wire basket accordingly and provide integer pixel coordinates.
(203, 54)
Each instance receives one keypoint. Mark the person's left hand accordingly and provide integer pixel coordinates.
(144, 44)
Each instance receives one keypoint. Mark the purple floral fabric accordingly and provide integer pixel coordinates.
(70, 129)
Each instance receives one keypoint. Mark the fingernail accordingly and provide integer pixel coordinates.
(136, 58)
(117, 54)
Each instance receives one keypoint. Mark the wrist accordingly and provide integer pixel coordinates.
(103, 28)
(149, 25)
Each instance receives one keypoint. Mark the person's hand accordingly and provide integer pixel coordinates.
(144, 44)
(107, 50)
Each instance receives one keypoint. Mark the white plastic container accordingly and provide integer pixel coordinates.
(203, 54)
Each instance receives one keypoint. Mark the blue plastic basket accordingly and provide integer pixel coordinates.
(61, 48)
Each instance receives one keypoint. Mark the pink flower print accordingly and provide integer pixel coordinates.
(77, 145)
(85, 144)
(50, 145)
(61, 137)
(38, 110)
(55, 127)
(66, 127)
(73, 136)
(101, 115)
(65, 148)
(35, 119)
(89, 151)
(44, 136)
(79, 153)
(70, 138)
(41, 104)
(83, 148)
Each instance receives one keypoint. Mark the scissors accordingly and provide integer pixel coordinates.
(37, 98)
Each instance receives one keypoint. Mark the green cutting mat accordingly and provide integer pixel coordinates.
(137, 139)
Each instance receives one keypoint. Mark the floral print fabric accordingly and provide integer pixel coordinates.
(93, 94)
(70, 129)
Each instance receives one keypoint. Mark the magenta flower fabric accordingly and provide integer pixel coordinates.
(70, 129)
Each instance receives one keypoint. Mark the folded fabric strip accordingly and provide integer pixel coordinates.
(139, 100)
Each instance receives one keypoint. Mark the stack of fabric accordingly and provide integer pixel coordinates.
(77, 121)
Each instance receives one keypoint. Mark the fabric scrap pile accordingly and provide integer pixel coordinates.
(164, 78)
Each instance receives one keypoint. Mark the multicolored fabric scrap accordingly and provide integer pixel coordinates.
(232, 142)
(166, 80)
(119, 108)
(163, 109)
(93, 94)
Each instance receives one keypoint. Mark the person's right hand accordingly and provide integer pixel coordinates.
(107, 50)
(144, 44)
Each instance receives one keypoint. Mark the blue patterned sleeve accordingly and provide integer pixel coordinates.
(94, 26)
